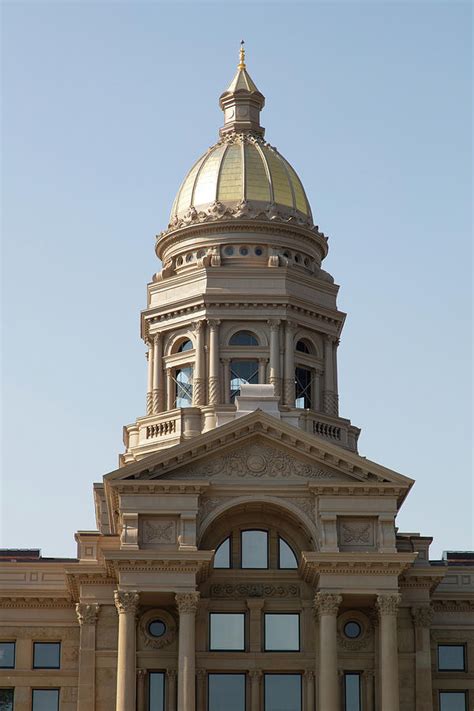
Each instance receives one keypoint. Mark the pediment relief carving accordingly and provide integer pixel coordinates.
(256, 461)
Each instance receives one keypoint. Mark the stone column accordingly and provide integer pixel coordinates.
(262, 370)
(255, 606)
(317, 390)
(274, 375)
(158, 390)
(327, 605)
(171, 688)
(387, 607)
(199, 382)
(422, 619)
(369, 690)
(170, 390)
(141, 689)
(149, 386)
(127, 606)
(330, 395)
(187, 605)
(289, 389)
(226, 368)
(214, 395)
(309, 682)
(87, 618)
(255, 681)
(201, 677)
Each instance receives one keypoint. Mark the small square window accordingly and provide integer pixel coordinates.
(227, 631)
(451, 657)
(6, 699)
(452, 701)
(45, 700)
(7, 655)
(282, 632)
(46, 655)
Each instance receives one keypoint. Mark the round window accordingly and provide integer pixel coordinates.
(258, 251)
(157, 628)
(352, 630)
(244, 251)
(229, 251)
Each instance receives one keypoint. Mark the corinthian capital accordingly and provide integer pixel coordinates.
(187, 602)
(126, 602)
(198, 326)
(388, 604)
(327, 603)
(274, 323)
(213, 323)
(422, 616)
(86, 613)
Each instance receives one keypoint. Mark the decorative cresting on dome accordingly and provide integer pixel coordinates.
(242, 176)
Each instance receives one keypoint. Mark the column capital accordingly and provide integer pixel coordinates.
(141, 673)
(388, 603)
(187, 602)
(309, 674)
(255, 675)
(198, 325)
(326, 603)
(126, 602)
(274, 323)
(171, 673)
(87, 613)
(291, 325)
(213, 323)
(263, 360)
(157, 338)
(422, 616)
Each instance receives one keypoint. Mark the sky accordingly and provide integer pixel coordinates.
(105, 108)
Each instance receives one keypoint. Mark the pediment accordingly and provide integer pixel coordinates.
(259, 447)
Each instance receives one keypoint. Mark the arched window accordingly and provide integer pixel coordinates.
(303, 347)
(222, 554)
(183, 380)
(185, 346)
(243, 338)
(286, 556)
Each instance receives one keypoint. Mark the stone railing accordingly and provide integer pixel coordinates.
(334, 429)
(154, 432)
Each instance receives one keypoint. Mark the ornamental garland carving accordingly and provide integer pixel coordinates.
(422, 616)
(187, 602)
(254, 462)
(388, 604)
(158, 531)
(247, 590)
(87, 614)
(356, 533)
(306, 505)
(327, 603)
(126, 602)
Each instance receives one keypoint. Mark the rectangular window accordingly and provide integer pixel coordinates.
(303, 388)
(46, 655)
(282, 692)
(6, 699)
(227, 631)
(451, 657)
(7, 655)
(282, 632)
(45, 700)
(352, 700)
(156, 691)
(452, 701)
(241, 373)
(254, 547)
(226, 692)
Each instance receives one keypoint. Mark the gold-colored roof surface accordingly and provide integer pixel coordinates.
(245, 169)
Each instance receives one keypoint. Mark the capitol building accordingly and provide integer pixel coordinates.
(246, 557)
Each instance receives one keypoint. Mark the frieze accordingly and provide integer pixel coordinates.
(254, 462)
(453, 605)
(27, 602)
(246, 590)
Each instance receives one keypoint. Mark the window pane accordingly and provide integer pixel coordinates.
(227, 631)
(7, 655)
(287, 558)
(243, 338)
(46, 655)
(184, 387)
(45, 699)
(254, 549)
(226, 692)
(157, 691)
(302, 347)
(282, 692)
(303, 388)
(451, 657)
(185, 346)
(452, 701)
(242, 372)
(222, 555)
(6, 699)
(352, 692)
(282, 632)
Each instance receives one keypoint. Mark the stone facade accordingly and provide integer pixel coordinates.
(226, 449)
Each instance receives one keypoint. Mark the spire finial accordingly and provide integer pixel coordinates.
(241, 64)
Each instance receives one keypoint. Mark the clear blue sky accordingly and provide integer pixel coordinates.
(107, 105)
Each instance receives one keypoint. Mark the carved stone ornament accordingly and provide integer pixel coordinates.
(156, 531)
(126, 602)
(187, 602)
(170, 632)
(356, 533)
(86, 613)
(246, 590)
(388, 604)
(327, 603)
(422, 616)
(254, 462)
(208, 504)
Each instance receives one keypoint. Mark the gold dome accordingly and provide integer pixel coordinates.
(244, 169)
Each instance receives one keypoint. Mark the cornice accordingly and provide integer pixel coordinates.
(314, 564)
(14, 601)
(421, 578)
